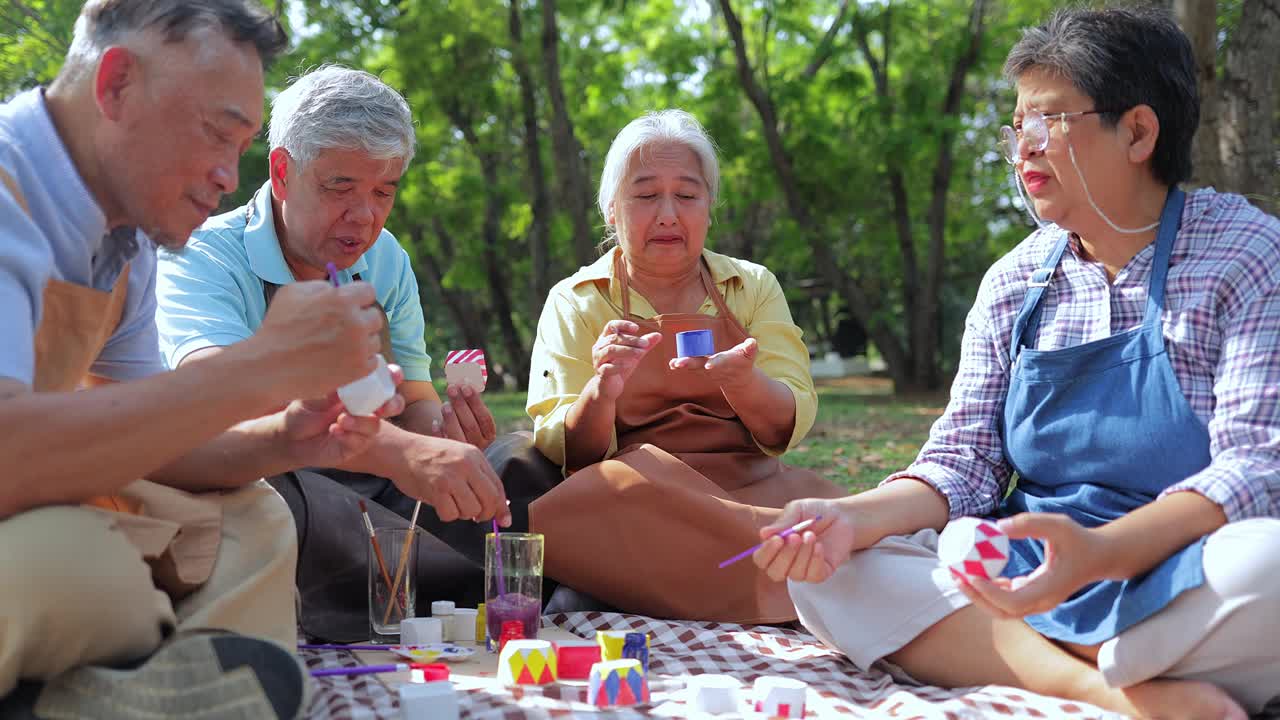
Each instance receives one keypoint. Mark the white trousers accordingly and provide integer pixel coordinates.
(1226, 632)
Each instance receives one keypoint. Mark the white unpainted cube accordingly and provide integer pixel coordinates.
(366, 395)
(714, 694)
(465, 374)
(428, 701)
(421, 631)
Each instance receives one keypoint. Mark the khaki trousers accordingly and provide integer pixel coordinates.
(75, 591)
(1226, 632)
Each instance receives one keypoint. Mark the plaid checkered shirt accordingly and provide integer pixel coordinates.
(1221, 325)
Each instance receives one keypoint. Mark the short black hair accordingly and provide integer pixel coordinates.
(1121, 58)
(103, 22)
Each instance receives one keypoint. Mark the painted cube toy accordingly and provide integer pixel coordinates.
(574, 658)
(527, 662)
(466, 367)
(617, 683)
(973, 547)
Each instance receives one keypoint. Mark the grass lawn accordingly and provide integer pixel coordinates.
(863, 432)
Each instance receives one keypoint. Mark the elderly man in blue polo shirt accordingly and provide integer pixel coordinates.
(133, 520)
(340, 141)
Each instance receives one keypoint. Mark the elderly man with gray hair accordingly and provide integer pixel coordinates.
(140, 549)
(340, 141)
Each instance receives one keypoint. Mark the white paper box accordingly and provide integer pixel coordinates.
(428, 701)
(366, 395)
(779, 697)
(714, 694)
(421, 631)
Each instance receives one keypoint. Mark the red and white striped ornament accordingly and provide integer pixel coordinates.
(466, 367)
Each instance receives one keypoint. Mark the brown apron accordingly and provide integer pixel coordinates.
(689, 487)
(176, 532)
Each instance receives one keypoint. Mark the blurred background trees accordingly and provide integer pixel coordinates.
(856, 140)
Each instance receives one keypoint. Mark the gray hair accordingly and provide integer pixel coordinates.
(104, 23)
(337, 107)
(1122, 58)
(654, 127)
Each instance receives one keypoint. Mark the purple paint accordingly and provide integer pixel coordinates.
(513, 606)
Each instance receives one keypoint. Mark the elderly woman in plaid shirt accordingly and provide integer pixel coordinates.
(1124, 362)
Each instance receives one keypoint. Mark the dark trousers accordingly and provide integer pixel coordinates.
(333, 542)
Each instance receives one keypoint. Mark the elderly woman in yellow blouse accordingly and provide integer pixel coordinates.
(671, 463)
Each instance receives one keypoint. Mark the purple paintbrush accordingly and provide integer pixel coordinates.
(367, 669)
(335, 646)
(798, 527)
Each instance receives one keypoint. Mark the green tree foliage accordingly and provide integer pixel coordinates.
(894, 205)
(34, 35)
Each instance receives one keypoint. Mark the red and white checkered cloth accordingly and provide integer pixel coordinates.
(679, 649)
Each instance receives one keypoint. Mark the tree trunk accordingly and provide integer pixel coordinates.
(1199, 20)
(496, 270)
(1248, 122)
(927, 371)
(540, 228)
(899, 200)
(854, 296)
(494, 253)
(575, 190)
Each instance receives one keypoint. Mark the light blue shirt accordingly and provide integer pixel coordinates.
(65, 237)
(211, 292)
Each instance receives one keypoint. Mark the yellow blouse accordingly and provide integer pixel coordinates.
(579, 306)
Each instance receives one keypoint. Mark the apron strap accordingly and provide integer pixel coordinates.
(1028, 321)
(704, 273)
(716, 298)
(1170, 222)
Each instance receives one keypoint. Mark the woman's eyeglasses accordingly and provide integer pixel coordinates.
(1034, 132)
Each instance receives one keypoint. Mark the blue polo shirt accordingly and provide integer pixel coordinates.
(51, 228)
(210, 293)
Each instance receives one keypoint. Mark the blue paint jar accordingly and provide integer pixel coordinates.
(695, 343)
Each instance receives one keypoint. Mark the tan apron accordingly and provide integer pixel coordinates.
(176, 532)
(689, 487)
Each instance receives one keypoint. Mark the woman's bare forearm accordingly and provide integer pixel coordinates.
(588, 428)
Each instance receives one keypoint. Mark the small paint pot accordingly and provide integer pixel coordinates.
(695, 343)
(465, 621)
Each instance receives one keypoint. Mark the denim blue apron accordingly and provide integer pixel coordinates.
(1096, 431)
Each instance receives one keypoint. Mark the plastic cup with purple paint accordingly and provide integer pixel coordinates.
(512, 582)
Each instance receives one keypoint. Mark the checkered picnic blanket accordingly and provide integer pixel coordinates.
(679, 649)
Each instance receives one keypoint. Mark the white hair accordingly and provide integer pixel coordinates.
(652, 128)
(104, 23)
(337, 107)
